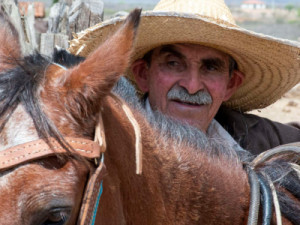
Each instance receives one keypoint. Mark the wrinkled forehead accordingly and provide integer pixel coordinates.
(186, 50)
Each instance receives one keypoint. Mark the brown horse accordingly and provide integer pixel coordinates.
(186, 178)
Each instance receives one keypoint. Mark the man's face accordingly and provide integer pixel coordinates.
(187, 82)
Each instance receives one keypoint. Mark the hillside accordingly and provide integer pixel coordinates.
(268, 2)
(229, 2)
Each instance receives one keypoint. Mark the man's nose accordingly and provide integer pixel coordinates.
(192, 81)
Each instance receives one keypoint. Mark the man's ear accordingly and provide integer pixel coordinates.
(140, 71)
(234, 83)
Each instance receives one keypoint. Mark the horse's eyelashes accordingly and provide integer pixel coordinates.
(57, 217)
(54, 216)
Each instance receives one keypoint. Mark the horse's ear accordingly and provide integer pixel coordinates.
(10, 48)
(102, 68)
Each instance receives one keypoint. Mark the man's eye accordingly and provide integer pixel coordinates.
(211, 67)
(173, 63)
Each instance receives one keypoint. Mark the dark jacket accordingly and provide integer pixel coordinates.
(255, 133)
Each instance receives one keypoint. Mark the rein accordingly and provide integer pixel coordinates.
(261, 184)
(94, 188)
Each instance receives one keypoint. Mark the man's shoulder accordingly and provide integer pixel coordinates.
(257, 133)
(235, 120)
(241, 120)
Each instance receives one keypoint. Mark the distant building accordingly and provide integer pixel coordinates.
(253, 4)
(39, 8)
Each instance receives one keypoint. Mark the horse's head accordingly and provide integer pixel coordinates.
(41, 99)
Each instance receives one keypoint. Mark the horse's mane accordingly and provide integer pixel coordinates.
(64, 58)
(20, 85)
(280, 171)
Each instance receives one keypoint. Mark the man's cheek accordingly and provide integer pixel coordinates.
(217, 89)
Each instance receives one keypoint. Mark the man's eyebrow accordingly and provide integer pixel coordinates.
(214, 61)
(171, 49)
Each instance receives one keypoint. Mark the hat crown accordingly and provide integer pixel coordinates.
(215, 10)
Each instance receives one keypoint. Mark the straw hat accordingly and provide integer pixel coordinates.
(271, 65)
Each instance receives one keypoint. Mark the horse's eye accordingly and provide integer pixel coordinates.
(57, 217)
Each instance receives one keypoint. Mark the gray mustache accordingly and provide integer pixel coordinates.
(181, 94)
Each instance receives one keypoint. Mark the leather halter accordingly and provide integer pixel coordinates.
(93, 188)
(38, 149)
(89, 149)
(29, 151)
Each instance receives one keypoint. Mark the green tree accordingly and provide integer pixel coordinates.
(289, 7)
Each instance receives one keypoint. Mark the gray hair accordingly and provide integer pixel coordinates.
(180, 133)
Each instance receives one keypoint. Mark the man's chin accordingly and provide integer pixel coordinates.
(195, 115)
(195, 120)
(192, 122)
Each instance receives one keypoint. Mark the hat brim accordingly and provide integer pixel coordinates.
(271, 65)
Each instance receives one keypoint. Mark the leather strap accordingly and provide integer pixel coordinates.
(93, 189)
(137, 132)
(91, 197)
(16, 155)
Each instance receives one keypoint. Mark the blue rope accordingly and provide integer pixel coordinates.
(266, 200)
(97, 204)
(254, 197)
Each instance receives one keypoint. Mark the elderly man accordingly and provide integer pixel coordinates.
(193, 63)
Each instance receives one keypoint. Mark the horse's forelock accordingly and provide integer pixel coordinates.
(21, 85)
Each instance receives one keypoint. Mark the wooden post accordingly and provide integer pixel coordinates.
(29, 30)
(84, 14)
(63, 21)
(58, 21)
(12, 10)
(61, 40)
(68, 2)
(49, 41)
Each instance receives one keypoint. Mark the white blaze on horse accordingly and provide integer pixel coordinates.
(48, 115)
